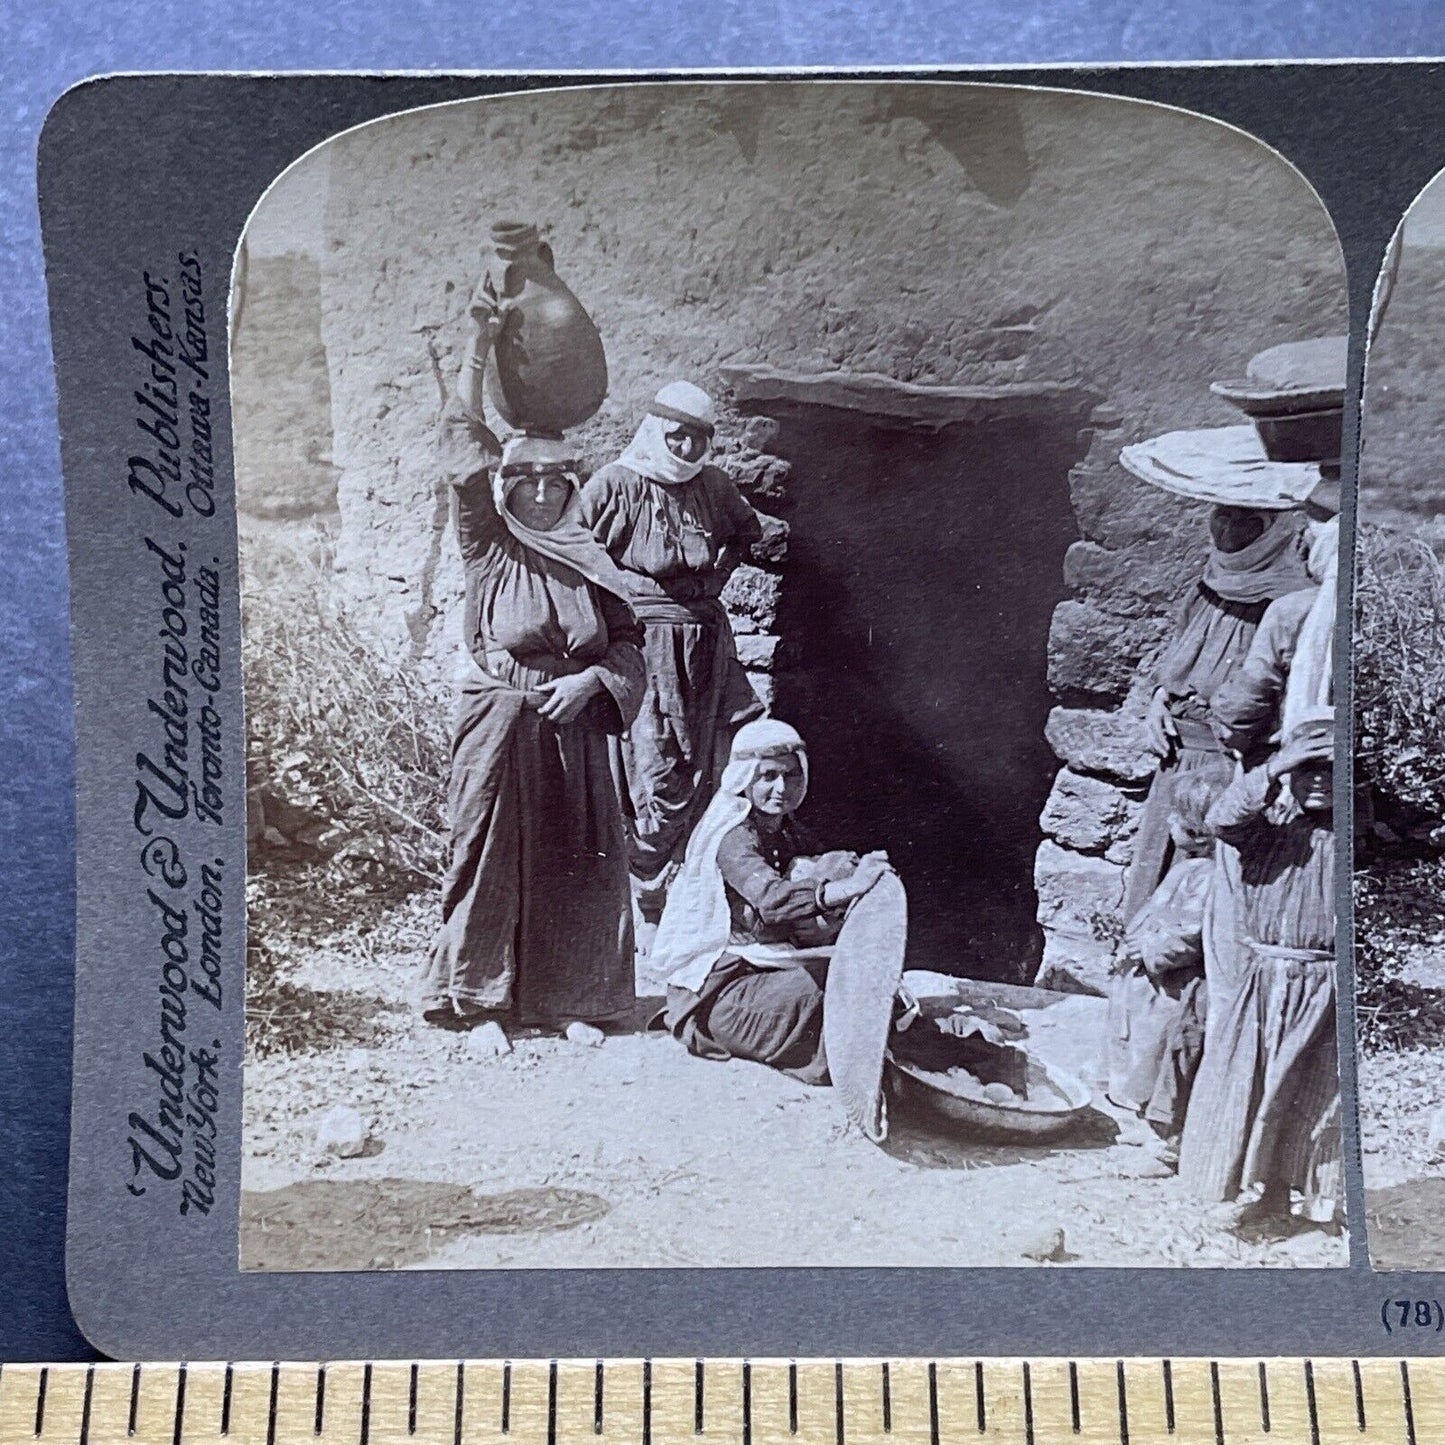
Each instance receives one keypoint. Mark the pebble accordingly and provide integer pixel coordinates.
(488, 1041)
(584, 1034)
(342, 1132)
(1047, 1246)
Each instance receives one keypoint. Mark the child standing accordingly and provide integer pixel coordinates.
(1266, 1115)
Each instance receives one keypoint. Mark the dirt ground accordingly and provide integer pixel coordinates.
(636, 1154)
(1401, 1091)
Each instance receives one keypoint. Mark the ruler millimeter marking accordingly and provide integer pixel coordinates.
(729, 1402)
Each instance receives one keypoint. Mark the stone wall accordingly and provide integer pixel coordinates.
(281, 391)
(936, 235)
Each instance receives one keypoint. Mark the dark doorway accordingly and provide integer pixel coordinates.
(925, 565)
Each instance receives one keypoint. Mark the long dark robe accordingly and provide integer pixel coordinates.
(672, 541)
(537, 919)
(1266, 1103)
(1212, 634)
(769, 1015)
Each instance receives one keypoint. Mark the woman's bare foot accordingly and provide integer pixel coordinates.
(586, 1035)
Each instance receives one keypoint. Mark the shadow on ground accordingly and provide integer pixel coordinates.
(1406, 1225)
(368, 1224)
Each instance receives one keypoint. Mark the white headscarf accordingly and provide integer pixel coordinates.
(1311, 681)
(647, 454)
(571, 542)
(696, 922)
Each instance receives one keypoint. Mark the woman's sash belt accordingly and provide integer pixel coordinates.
(670, 612)
(1278, 953)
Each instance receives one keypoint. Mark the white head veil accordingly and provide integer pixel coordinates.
(678, 403)
(696, 922)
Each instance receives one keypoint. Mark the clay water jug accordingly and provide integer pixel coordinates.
(547, 370)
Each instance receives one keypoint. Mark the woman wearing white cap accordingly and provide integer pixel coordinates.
(536, 907)
(676, 527)
(744, 939)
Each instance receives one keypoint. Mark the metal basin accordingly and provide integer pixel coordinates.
(1068, 1098)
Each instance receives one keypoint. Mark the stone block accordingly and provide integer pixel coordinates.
(1121, 849)
(1096, 652)
(1079, 894)
(755, 283)
(759, 433)
(758, 652)
(1131, 580)
(1118, 510)
(1103, 743)
(766, 688)
(1087, 814)
(773, 546)
(759, 476)
(754, 594)
(1074, 964)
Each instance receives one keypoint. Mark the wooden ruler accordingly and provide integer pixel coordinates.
(735, 1402)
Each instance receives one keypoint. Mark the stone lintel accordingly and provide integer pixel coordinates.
(907, 403)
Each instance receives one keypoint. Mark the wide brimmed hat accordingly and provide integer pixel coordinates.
(1226, 466)
(1295, 396)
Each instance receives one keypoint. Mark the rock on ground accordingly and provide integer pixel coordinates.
(342, 1131)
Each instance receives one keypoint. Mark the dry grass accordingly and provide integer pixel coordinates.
(1399, 669)
(336, 728)
(1397, 919)
(343, 735)
(1399, 674)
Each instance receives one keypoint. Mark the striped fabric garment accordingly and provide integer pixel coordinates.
(1266, 1103)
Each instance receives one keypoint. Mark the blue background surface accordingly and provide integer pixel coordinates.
(48, 47)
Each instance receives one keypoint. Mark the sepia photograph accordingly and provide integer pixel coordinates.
(1399, 705)
(788, 637)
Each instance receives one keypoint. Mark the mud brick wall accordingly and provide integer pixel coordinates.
(281, 387)
(937, 235)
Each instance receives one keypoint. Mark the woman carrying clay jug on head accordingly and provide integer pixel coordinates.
(536, 908)
(676, 527)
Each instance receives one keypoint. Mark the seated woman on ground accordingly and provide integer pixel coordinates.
(744, 937)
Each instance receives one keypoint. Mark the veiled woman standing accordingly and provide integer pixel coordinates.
(676, 527)
(1255, 556)
(537, 919)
